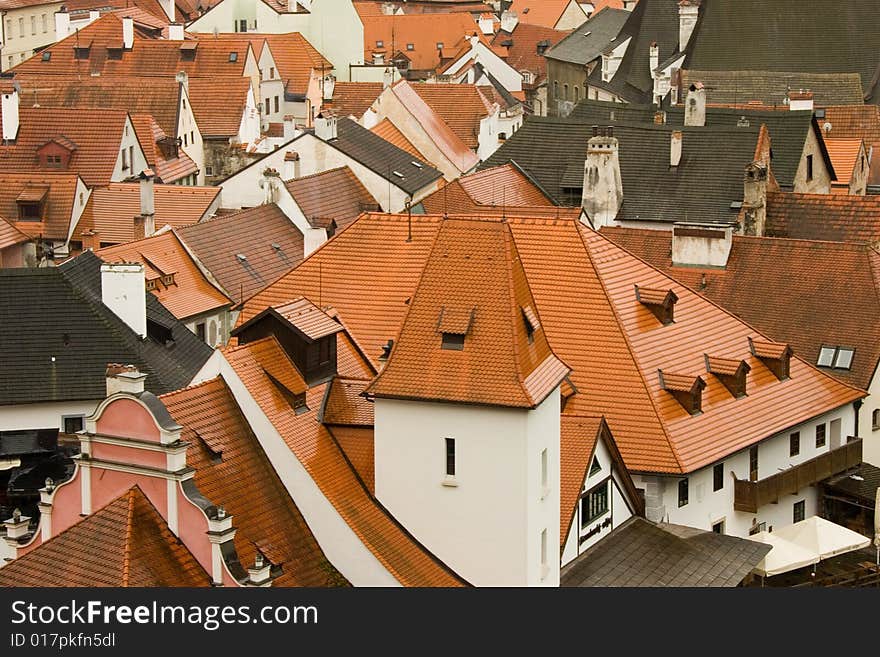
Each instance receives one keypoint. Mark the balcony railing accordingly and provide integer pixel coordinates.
(748, 496)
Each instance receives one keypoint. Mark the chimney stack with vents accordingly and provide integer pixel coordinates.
(675, 145)
(148, 201)
(325, 126)
(688, 10)
(289, 127)
(695, 105)
(603, 187)
(291, 165)
(90, 241)
(653, 58)
(124, 378)
(755, 199)
(127, 32)
(123, 291)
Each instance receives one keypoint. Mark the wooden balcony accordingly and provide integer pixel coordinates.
(748, 496)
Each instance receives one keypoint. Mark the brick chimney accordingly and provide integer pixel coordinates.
(800, 100)
(127, 32)
(603, 187)
(123, 291)
(90, 240)
(701, 245)
(695, 105)
(124, 378)
(688, 11)
(755, 199)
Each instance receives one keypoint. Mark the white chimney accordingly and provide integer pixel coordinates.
(654, 58)
(509, 20)
(94, 15)
(388, 9)
(329, 86)
(148, 203)
(602, 194)
(800, 100)
(168, 8)
(291, 169)
(695, 105)
(175, 32)
(325, 127)
(123, 291)
(701, 245)
(487, 24)
(378, 58)
(675, 148)
(62, 25)
(183, 78)
(688, 10)
(387, 78)
(127, 32)
(289, 127)
(124, 378)
(9, 110)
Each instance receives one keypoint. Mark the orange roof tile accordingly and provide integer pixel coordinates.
(225, 452)
(190, 293)
(308, 319)
(219, 105)
(335, 194)
(844, 154)
(58, 208)
(345, 404)
(326, 463)
(97, 134)
(460, 106)
(831, 217)
(354, 98)
(503, 185)
(523, 54)
(423, 31)
(126, 543)
(111, 209)
(852, 122)
(357, 444)
(167, 170)
(10, 235)
(389, 132)
(577, 279)
(296, 59)
(548, 12)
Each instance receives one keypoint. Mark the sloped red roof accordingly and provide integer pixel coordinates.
(168, 170)
(58, 208)
(389, 132)
(126, 543)
(844, 154)
(334, 194)
(548, 12)
(831, 217)
(354, 98)
(10, 235)
(460, 106)
(523, 54)
(219, 105)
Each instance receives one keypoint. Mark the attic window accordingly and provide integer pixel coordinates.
(661, 303)
(152, 284)
(416, 164)
(439, 45)
(410, 46)
(452, 342)
(454, 324)
(233, 57)
(380, 44)
(731, 373)
(687, 390)
(81, 52)
(159, 333)
(168, 280)
(776, 356)
(595, 467)
(531, 321)
(241, 257)
(838, 358)
(47, 56)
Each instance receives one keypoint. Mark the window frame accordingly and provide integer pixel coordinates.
(452, 341)
(794, 443)
(810, 170)
(595, 503)
(450, 452)
(718, 476)
(799, 508)
(65, 418)
(683, 492)
(821, 435)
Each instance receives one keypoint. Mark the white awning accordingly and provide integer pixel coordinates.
(805, 543)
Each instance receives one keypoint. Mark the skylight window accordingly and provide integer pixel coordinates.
(416, 164)
(233, 57)
(398, 174)
(380, 44)
(839, 358)
(439, 45)
(47, 56)
(410, 46)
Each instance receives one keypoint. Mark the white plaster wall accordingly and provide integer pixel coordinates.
(22, 47)
(821, 182)
(870, 435)
(340, 544)
(572, 17)
(488, 526)
(186, 125)
(249, 129)
(80, 201)
(129, 139)
(706, 507)
(43, 415)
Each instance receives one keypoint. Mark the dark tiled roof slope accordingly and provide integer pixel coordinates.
(590, 40)
(335, 194)
(44, 308)
(771, 87)
(831, 217)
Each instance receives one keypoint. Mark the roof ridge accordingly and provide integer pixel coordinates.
(507, 237)
(126, 550)
(315, 175)
(192, 386)
(579, 229)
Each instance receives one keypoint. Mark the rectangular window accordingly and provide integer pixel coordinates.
(452, 341)
(276, 105)
(594, 504)
(271, 72)
(753, 463)
(21, 27)
(809, 167)
(682, 492)
(799, 511)
(794, 444)
(33, 25)
(209, 170)
(543, 471)
(9, 32)
(820, 435)
(45, 24)
(185, 139)
(450, 457)
(200, 331)
(242, 25)
(718, 477)
(124, 160)
(72, 423)
(131, 158)
(268, 107)
(718, 527)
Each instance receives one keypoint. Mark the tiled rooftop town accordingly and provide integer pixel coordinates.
(439, 293)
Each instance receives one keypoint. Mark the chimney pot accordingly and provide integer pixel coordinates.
(124, 378)
(595, 131)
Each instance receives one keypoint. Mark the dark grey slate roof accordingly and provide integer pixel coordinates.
(650, 21)
(591, 39)
(45, 308)
(788, 35)
(701, 189)
(642, 553)
(771, 87)
(383, 157)
(863, 488)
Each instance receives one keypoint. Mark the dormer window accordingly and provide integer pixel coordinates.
(776, 356)
(530, 319)
(687, 390)
(188, 51)
(731, 372)
(81, 52)
(660, 302)
(31, 203)
(454, 324)
(452, 342)
(439, 45)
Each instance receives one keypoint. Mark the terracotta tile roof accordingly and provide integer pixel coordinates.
(225, 452)
(345, 404)
(335, 194)
(296, 59)
(59, 205)
(111, 209)
(447, 140)
(97, 134)
(798, 292)
(167, 170)
(219, 105)
(844, 154)
(523, 53)
(548, 12)
(10, 235)
(578, 436)
(162, 255)
(307, 318)
(577, 279)
(270, 243)
(503, 185)
(357, 444)
(831, 217)
(460, 106)
(327, 465)
(389, 132)
(423, 31)
(126, 543)
(852, 122)
(354, 98)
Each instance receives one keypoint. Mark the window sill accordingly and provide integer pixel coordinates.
(450, 481)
